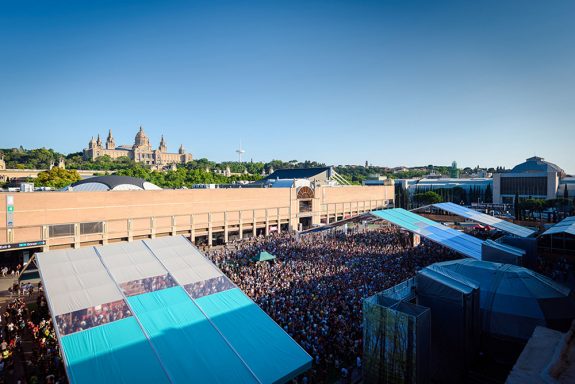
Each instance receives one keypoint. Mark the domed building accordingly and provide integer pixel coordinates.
(141, 151)
(535, 178)
(111, 183)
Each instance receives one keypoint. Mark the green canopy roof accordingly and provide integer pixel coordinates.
(264, 256)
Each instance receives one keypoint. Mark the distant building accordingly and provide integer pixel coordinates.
(377, 180)
(318, 176)
(535, 178)
(141, 151)
(454, 171)
(2, 162)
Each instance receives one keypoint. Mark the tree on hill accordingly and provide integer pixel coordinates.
(56, 178)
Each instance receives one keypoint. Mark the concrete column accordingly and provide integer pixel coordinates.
(279, 221)
(254, 221)
(267, 230)
(174, 232)
(240, 226)
(130, 233)
(104, 232)
(210, 237)
(192, 230)
(76, 235)
(10, 235)
(226, 227)
(152, 227)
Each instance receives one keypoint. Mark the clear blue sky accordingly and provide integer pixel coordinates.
(392, 82)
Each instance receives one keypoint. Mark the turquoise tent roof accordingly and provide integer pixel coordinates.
(264, 256)
(158, 311)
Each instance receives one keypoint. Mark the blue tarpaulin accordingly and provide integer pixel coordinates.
(117, 352)
(238, 318)
(177, 328)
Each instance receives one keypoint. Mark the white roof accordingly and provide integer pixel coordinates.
(130, 261)
(185, 263)
(76, 279)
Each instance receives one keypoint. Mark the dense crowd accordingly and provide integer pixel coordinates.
(149, 284)
(21, 320)
(91, 317)
(314, 289)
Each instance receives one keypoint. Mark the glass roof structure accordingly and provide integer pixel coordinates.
(439, 233)
(482, 218)
(566, 225)
(159, 311)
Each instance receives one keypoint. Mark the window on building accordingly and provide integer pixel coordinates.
(526, 186)
(305, 206)
(90, 228)
(61, 230)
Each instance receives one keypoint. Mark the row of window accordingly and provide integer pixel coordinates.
(61, 230)
(535, 186)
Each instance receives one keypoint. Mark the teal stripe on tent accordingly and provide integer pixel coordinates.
(191, 348)
(264, 346)
(117, 352)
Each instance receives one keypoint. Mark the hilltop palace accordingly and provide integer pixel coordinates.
(140, 152)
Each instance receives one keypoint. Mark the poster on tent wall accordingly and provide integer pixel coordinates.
(395, 342)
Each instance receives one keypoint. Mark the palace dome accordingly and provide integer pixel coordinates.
(141, 138)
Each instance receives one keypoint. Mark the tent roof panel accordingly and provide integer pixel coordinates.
(130, 261)
(566, 225)
(238, 318)
(76, 279)
(178, 329)
(482, 218)
(441, 234)
(183, 261)
(117, 352)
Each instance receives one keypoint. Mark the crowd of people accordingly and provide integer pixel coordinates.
(208, 287)
(12, 270)
(91, 317)
(24, 319)
(314, 288)
(149, 284)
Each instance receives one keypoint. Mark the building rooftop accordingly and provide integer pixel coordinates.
(297, 173)
(111, 183)
(537, 164)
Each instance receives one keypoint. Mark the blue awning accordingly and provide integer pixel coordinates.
(439, 233)
(482, 218)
